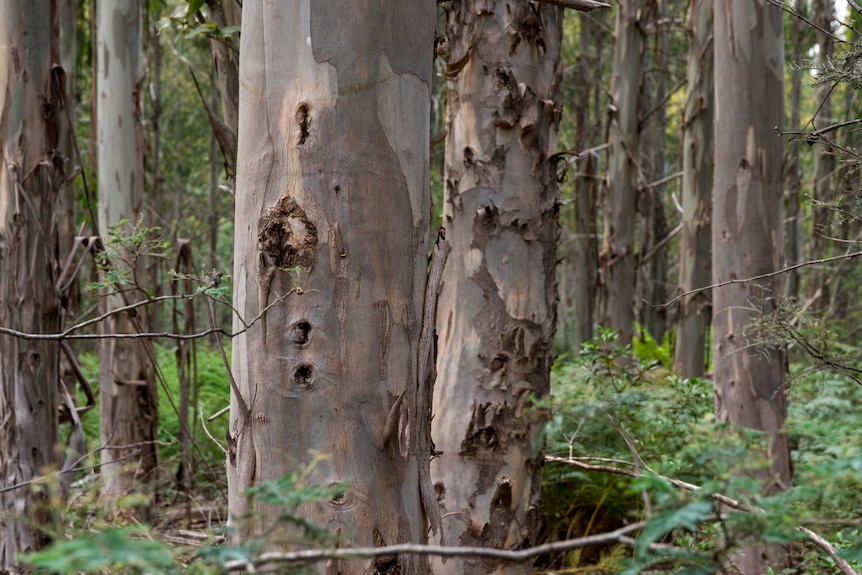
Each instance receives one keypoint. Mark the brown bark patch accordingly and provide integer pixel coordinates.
(287, 239)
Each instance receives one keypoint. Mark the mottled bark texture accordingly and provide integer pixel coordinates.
(497, 310)
(333, 179)
(793, 242)
(695, 260)
(29, 177)
(747, 233)
(127, 390)
(616, 260)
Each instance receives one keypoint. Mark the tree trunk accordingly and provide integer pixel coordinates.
(695, 265)
(126, 388)
(616, 261)
(497, 308)
(653, 256)
(29, 125)
(747, 239)
(333, 200)
(584, 252)
(824, 154)
(794, 170)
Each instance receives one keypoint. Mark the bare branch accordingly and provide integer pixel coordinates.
(579, 5)
(723, 499)
(515, 556)
(847, 256)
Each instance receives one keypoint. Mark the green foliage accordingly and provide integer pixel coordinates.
(127, 548)
(614, 411)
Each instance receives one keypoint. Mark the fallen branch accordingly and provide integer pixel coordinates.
(579, 5)
(515, 556)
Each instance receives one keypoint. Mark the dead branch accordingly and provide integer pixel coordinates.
(579, 5)
(515, 556)
(847, 256)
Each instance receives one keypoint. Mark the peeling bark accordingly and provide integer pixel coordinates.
(29, 175)
(127, 392)
(497, 309)
(332, 184)
(750, 389)
(695, 260)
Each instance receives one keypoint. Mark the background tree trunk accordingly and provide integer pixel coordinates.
(824, 155)
(794, 169)
(695, 260)
(616, 260)
(29, 178)
(497, 308)
(333, 180)
(747, 231)
(127, 392)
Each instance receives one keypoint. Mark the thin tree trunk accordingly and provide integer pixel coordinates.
(582, 272)
(29, 126)
(333, 199)
(654, 269)
(616, 260)
(824, 156)
(695, 265)
(750, 389)
(126, 389)
(497, 308)
(794, 170)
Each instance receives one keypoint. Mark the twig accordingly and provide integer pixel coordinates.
(516, 556)
(672, 301)
(843, 565)
(796, 14)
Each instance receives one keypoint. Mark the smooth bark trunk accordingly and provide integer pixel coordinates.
(333, 201)
(616, 260)
(127, 393)
(497, 308)
(747, 239)
(695, 261)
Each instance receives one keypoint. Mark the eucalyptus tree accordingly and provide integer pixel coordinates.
(750, 386)
(497, 309)
(617, 257)
(331, 245)
(127, 393)
(695, 259)
(30, 167)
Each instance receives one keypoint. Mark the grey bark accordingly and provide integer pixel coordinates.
(616, 260)
(747, 239)
(794, 170)
(695, 262)
(333, 184)
(497, 308)
(29, 124)
(128, 400)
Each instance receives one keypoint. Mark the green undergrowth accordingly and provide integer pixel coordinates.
(213, 393)
(636, 416)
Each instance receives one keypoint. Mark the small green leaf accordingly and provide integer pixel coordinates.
(687, 516)
(194, 6)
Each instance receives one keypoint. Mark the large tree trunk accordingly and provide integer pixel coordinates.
(695, 260)
(747, 232)
(497, 308)
(126, 388)
(29, 126)
(616, 261)
(333, 200)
